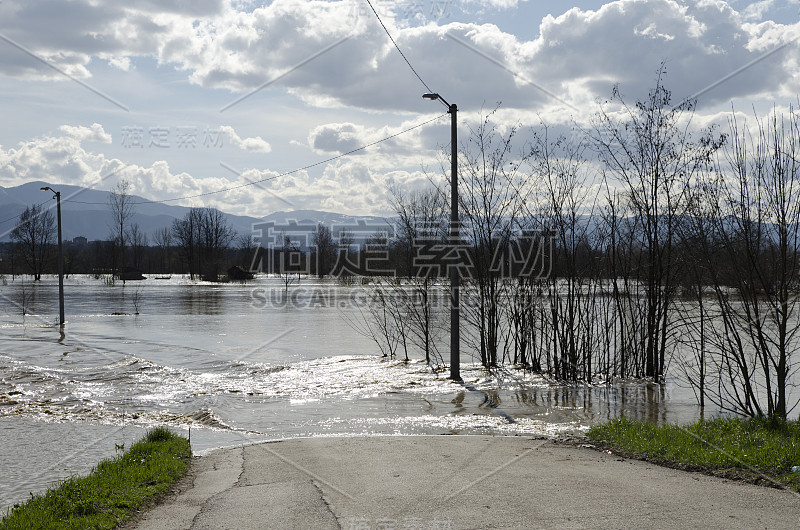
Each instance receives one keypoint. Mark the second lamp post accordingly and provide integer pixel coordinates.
(60, 258)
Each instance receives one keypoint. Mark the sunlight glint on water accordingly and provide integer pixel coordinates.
(237, 366)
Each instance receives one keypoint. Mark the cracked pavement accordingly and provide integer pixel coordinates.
(498, 482)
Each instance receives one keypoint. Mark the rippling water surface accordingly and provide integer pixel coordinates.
(237, 364)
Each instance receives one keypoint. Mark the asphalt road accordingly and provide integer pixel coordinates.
(455, 482)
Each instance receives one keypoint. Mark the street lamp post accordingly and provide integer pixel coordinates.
(455, 338)
(60, 258)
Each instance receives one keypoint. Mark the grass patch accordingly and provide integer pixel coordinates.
(735, 448)
(112, 492)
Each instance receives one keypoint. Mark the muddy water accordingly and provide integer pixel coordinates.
(242, 363)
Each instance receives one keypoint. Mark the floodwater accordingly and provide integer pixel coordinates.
(240, 363)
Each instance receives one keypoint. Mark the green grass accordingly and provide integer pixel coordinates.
(112, 492)
(739, 448)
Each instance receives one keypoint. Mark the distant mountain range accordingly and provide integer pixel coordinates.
(85, 212)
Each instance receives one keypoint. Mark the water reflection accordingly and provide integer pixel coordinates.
(586, 404)
(202, 302)
(200, 348)
(458, 401)
(224, 361)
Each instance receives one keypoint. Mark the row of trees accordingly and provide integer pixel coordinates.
(34, 236)
(202, 243)
(668, 250)
(671, 249)
(202, 237)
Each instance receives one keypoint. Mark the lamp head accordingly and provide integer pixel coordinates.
(430, 96)
(44, 188)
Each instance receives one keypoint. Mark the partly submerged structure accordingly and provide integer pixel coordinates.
(239, 274)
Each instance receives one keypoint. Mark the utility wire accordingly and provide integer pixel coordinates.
(254, 182)
(399, 50)
(17, 216)
(231, 188)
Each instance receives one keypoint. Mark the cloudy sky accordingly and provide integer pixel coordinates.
(186, 97)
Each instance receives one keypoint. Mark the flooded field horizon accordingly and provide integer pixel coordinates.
(236, 365)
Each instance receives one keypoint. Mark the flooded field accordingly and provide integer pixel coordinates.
(225, 362)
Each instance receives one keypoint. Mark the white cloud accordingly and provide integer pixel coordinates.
(94, 133)
(121, 63)
(388, 148)
(497, 4)
(339, 137)
(349, 186)
(577, 55)
(756, 10)
(623, 42)
(255, 144)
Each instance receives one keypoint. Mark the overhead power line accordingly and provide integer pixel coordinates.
(17, 216)
(399, 50)
(254, 182)
(231, 188)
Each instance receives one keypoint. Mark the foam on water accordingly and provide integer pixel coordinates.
(144, 388)
(205, 357)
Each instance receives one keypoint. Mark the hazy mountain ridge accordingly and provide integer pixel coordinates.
(85, 212)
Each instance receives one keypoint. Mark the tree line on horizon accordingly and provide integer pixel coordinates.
(202, 245)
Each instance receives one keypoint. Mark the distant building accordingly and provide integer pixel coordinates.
(80, 241)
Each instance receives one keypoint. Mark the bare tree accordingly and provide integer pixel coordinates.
(186, 233)
(378, 322)
(215, 236)
(344, 268)
(286, 268)
(752, 218)
(693, 311)
(247, 246)
(421, 222)
(324, 250)
(136, 300)
(490, 200)
(138, 242)
(651, 153)
(25, 297)
(34, 236)
(163, 238)
(120, 202)
(202, 237)
(565, 209)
